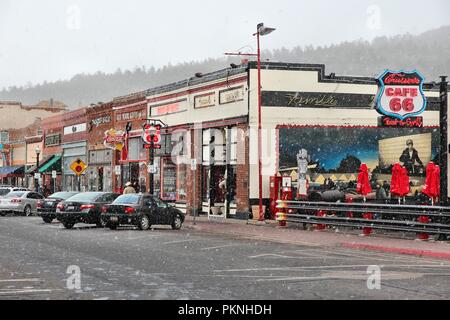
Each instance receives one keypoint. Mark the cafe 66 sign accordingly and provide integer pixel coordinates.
(400, 94)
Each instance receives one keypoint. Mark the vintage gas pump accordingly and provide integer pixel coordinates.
(286, 190)
(275, 193)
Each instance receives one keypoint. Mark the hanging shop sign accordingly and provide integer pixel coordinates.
(114, 139)
(400, 94)
(152, 132)
(412, 122)
(4, 148)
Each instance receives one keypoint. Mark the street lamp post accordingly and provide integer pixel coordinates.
(261, 30)
(38, 152)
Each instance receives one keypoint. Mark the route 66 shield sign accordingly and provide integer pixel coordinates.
(400, 94)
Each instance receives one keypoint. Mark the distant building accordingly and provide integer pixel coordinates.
(20, 135)
(14, 115)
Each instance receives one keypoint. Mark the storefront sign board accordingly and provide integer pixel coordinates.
(400, 94)
(412, 122)
(114, 139)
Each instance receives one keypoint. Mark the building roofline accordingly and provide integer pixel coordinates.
(192, 81)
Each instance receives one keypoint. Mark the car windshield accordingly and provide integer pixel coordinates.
(127, 199)
(62, 195)
(15, 194)
(4, 191)
(86, 196)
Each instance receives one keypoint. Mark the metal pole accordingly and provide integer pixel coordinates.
(261, 213)
(193, 194)
(443, 114)
(152, 153)
(37, 171)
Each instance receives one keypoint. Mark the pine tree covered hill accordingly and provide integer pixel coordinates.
(428, 52)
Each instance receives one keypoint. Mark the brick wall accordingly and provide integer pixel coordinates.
(99, 119)
(52, 125)
(242, 170)
(194, 199)
(74, 117)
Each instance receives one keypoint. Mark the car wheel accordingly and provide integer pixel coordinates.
(101, 223)
(113, 226)
(144, 223)
(27, 211)
(2, 214)
(68, 224)
(177, 222)
(47, 219)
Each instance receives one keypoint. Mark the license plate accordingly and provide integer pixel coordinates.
(113, 219)
(49, 203)
(70, 208)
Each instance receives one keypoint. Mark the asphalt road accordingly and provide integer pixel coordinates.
(188, 264)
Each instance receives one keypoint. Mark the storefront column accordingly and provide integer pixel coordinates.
(194, 195)
(242, 172)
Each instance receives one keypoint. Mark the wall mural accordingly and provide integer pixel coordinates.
(337, 153)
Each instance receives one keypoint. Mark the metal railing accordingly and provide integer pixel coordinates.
(405, 218)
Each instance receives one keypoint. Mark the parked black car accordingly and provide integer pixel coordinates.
(142, 210)
(46, 208)
(84, 207)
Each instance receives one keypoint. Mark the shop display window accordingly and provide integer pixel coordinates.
(181, 182)
(169, 177)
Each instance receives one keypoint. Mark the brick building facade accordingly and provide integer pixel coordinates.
(99, 120)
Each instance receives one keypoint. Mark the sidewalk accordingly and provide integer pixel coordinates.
(270, 231)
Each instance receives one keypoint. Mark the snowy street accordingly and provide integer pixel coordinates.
(190, 264)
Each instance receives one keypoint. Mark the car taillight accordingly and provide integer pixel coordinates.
(129, 210)
(39, 204)
(87, 206)
(15, 200)
(104, 209)
(60, 206)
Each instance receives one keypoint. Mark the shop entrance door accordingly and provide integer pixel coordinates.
(216, 192)
(100, 179)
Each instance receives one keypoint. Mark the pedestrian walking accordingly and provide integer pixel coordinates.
(129, 188)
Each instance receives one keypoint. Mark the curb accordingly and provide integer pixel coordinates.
(414, 252)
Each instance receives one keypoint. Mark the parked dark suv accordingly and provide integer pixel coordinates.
(141, 210)
(83, 208)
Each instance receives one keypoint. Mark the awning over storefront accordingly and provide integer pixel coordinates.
(52, 164)
(11, 171)
(48, 163)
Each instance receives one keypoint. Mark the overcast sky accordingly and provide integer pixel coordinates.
(56, 39)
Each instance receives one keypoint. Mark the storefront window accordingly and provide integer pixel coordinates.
(181, 182)
(205, 184)
(169, 175)
(157, 179)
(136, 150)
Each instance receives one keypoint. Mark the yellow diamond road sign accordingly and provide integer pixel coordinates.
(78, 166)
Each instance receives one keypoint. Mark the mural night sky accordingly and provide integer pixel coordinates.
(329, 146)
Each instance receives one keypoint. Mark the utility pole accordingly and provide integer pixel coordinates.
(443, 150)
